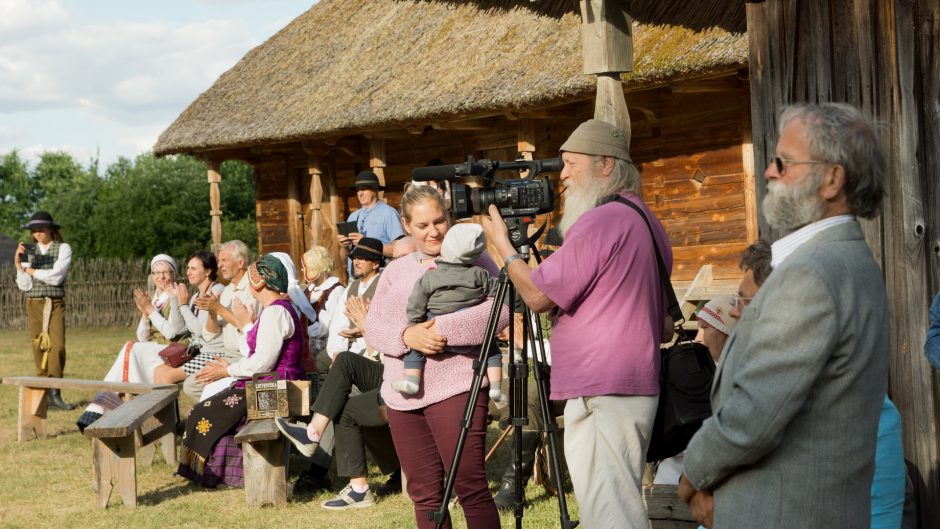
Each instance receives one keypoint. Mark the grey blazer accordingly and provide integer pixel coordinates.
(798, 394)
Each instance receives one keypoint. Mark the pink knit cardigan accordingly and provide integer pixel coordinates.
(445, 374)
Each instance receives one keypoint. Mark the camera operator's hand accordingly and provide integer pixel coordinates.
(497, 233)
(423, 337)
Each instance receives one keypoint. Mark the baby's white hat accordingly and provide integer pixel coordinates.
(463, 244)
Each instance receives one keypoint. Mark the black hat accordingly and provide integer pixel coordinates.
(40, 219)
(367, 179)
(368, 248)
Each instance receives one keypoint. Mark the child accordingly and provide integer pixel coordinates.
(454, 285)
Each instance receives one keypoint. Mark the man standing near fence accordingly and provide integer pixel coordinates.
(41, 270)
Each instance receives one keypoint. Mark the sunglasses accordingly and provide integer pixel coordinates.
(782, 163)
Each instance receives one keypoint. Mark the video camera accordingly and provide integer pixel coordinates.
(520, 197)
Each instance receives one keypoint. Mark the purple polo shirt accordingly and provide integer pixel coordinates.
(605, 281)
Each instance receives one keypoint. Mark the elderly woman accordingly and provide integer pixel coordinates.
(326, 294)
(273, 342)
(160, 323)
(425, 426)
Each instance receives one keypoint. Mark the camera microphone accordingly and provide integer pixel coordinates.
(447, 172)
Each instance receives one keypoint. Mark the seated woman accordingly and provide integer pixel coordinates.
(274, 342)
(160, 323)
(201, 271)
(325, 292)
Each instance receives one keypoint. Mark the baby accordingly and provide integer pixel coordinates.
(454, 285)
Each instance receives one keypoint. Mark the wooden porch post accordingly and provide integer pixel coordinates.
(215, 206)
(377, 160)
(607, 41)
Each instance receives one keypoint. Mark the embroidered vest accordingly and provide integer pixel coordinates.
(41, 289)
(155, 335)
(289, 364)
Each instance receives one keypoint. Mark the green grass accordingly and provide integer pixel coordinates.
(47, 483)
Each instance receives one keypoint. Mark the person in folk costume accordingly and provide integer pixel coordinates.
(41, 271)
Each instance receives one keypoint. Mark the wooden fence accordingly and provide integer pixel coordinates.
(98, 294)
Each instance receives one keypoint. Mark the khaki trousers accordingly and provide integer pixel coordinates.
(55, 365)
(606, 439)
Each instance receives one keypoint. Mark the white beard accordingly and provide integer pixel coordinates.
(579, 199)
(790, 207)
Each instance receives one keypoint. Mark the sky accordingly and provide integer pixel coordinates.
(103, 78)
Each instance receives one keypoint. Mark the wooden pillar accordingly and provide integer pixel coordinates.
(607, 42)
(750, 184)
(215, 205)
(526, 138)
(377, 160)
(294, 215)
(315, 170)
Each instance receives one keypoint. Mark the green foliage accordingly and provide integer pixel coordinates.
(15, 196)
(136, 209)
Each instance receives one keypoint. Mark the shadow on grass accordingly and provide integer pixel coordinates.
(169, 491)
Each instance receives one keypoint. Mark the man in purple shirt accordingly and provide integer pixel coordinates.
(605, 283)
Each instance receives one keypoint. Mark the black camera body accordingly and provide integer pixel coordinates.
(30, 249)
(514, 198)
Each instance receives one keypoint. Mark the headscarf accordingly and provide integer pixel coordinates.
(294, 290)
(163, 258)
(717, 313)
(268, 272)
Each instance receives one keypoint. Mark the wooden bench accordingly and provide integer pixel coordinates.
(114, 440)
(666, 509)
(32, 405)
(264, 457)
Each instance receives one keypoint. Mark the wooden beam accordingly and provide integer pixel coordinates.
(750, 181)
(377, 161)
(315, 170)
(215, 205)
(607, 37)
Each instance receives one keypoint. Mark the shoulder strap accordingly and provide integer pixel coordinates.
(673, 308)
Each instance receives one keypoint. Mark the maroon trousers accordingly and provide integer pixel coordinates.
(425, 440)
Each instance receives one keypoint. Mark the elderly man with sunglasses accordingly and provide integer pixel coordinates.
(799, 392)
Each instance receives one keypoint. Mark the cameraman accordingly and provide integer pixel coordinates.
(611, 317)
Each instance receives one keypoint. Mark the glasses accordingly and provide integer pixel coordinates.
(162, 273)
(739, 302)
(782, 163)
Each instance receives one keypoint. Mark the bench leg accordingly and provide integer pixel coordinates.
(161, 428)
(114, 460)
(265, 465)
(32, 414)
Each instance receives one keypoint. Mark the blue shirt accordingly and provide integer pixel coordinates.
(932, 344)
(887, 485)
(381, 222)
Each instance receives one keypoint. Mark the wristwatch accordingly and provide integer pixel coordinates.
(512, 258)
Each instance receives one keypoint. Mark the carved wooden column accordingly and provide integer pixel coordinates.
(607, 41)
(377, 160)
(525, 135)
(315, 170)
(215, 205)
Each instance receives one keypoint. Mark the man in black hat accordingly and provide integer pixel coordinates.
(41, 270)
(374, 218)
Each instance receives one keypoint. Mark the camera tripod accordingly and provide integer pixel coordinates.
(518, 381)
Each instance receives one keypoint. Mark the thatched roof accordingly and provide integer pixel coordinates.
(348, 66)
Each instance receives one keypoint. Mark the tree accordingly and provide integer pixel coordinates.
(16, 203)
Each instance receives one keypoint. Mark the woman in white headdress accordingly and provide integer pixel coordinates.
(160, 323)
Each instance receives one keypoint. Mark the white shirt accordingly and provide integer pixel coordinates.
(231, 333)
(338, 321)
(320, 328)
(274, 326)
(783, 247)
(54, 276)
(196, 319)
(171, 328)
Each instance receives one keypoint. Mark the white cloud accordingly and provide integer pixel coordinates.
(18, 17)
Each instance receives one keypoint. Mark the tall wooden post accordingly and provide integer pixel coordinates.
(315, 170)
(377, 160)
(607, 42)
(215, 204)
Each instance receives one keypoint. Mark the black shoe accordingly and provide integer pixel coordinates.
(54, 399)
(296, 433)
(308, 484)
(86, 419)
(505, 499)
(391, 486)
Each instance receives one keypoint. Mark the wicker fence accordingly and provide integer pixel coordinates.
(98, 294)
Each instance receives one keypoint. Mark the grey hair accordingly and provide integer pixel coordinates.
(841, 134)
(624, 177)
(239, 250)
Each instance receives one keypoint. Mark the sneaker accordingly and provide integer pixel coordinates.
(350, 499)
(296, 433)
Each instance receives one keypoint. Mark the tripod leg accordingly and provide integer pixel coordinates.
(441, 515)
(548, 420)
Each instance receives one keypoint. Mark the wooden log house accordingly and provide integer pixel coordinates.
(390, 84)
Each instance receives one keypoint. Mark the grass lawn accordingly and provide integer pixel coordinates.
(48, 483)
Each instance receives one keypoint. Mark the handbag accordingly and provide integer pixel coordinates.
(176, 353)
(685, 376)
